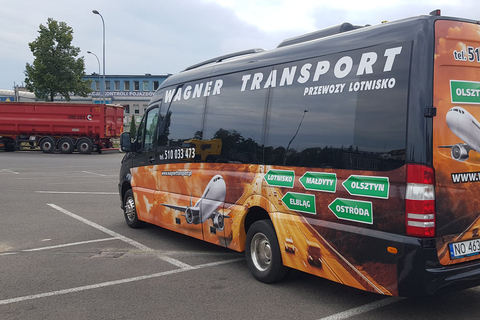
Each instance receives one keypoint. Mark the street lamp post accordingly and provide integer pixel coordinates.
(99, 72)
(104, 83)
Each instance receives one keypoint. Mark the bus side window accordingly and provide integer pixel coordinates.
(181, 119)
(146, 131)
(233, 130)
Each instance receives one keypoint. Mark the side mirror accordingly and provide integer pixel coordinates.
(126, 142)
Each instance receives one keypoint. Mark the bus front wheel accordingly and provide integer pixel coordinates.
(130, 210)
(263, 254)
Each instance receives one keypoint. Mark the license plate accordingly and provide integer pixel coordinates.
(464, 249)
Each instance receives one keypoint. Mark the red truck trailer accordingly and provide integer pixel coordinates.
(62, 126)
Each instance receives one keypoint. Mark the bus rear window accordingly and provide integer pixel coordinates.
(357, 122)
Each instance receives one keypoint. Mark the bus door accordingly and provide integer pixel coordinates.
(143, 168)
(181, 182)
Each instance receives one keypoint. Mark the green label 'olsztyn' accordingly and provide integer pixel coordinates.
(374, 187)
(465, 91)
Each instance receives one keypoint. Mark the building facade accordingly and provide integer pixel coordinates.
(133, 92)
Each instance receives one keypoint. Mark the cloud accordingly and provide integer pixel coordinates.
(160, 37)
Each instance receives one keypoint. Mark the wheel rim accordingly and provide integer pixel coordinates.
(65, 146)
(130, 212)
(261, 252)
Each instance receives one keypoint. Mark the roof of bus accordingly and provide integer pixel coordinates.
(409, 29)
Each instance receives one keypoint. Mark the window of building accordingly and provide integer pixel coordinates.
(136, 108)
(155, 85)
(145, 85)
(116, 85)
(126, 86)
(126, 109)
(107, 85)
(136, 85)
(97, 85)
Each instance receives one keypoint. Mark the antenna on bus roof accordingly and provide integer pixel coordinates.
(224, 57)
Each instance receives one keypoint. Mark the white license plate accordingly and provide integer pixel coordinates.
(464, 249)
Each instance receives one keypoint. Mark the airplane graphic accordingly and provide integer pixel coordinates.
(467, 128)
(205, 208)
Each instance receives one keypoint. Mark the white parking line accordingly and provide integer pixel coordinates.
(58, 246)
(115, 282)
(9, 171)
(362, 309)
(68, 244)
(95, 174)
(77, 192)
(134, 243)
(99, 227)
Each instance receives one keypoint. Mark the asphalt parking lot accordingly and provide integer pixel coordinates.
(66, 253)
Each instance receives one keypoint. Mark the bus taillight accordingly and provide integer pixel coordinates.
(420, 201)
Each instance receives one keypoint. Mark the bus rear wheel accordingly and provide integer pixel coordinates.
(262, 252)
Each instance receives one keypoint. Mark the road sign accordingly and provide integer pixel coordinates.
(300, 202)
(374, 187)
(319, 181)
(280, 178)
(352, 210)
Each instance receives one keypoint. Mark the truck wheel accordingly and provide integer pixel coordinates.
(85, 146)
(9, 144)
(130, 211)
(47, 145)
(66, 145)
(263, 255)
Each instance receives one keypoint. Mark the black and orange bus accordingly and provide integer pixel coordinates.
(351, 153)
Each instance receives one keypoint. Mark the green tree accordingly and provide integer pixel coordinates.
(55, 69)
(133, 128)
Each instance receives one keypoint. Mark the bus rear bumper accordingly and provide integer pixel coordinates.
(420, 273)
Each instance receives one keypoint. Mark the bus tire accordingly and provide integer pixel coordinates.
(130, 210)
(47, 145)
(262, 252)
(84, 146)
(66, 145)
